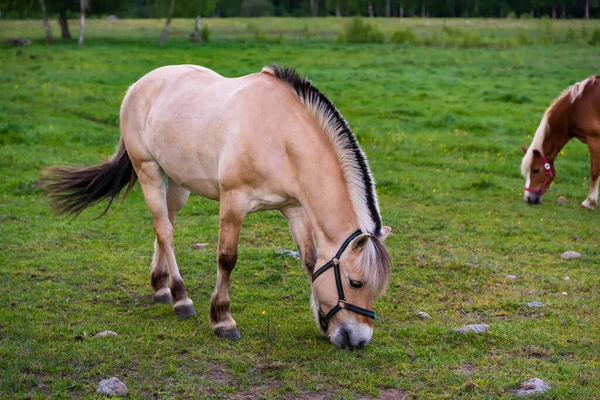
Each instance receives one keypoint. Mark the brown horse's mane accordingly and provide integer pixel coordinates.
(555, 111)
(357, 174)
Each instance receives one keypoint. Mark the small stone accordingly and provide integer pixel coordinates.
(532, 291)
(106, 333)
(564, 293)
(576, 237)
(532, 386)
(567, 255)
(112, 387)
(475, 328)
(290, 253)
(534, 304)
(471, 265)
(511, 277)
(562, 200)
(497, 284)
(566, 278)
(199, 246)
(423, 315)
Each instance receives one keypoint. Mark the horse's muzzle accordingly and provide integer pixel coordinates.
(352, 337)
(531, 198)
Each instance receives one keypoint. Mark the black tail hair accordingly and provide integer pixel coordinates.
(73, 189)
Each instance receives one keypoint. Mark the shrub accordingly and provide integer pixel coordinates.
(257, 8)
(512, 15)
(522, 38)
(205, 34)
(405, 35)
(571, 36)
(595, 37)
(358, 31)
(525, 16)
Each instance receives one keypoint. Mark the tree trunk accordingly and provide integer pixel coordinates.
(196, 33)
(64, 24)
(337, 9)
(371, 10)
(388, 8)
(49, 38)
(163, 36)
(314, 7)
(476, 10)
(401, 13)
(587, 9)
(423, 9)
(553, 12)
(81, 23)
(563, 12)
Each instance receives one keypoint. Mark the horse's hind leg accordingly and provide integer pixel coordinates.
(231, 215)
(176, 198)
(155, 192)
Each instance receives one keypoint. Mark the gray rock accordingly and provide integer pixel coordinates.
(423, 315)
(562, 200)
(471, 265)
(475, 328)
(534, 304)
(511, 277)
(199, 246)
(532, 386)
(566, 278)
(290, 253)
(112, 387)
(567, 255)
(106, 333)
(532, 291)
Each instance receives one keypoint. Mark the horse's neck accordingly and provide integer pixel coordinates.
(559, 130)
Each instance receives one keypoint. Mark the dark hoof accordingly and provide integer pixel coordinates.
(163, 298)
(229, 334)
(186, 311)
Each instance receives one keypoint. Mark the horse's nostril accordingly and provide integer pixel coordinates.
(362, 344)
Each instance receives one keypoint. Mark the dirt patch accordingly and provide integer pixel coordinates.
(392, 394)
(254, 392)
(466, 369)
(219, 375)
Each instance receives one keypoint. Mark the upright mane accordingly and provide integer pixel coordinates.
(359, 181)
(571, 94)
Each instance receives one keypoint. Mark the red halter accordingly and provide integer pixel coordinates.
(547, 181)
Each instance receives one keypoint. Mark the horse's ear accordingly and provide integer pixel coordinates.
(360, 242)
(537, 153)
(385, 231)
(524, 148)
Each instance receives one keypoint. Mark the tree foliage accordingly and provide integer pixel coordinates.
(235, 8)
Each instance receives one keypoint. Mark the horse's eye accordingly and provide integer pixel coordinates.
(536, 171)
(355, 284)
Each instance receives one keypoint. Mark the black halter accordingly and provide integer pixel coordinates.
(342, 303)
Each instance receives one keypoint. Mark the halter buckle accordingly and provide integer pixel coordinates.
(342, 303)
(335, 261)
(547, 166)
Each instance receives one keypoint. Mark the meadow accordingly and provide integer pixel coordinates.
(441, 125)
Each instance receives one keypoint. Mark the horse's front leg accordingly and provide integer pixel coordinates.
(231, 215)
(303, 235)
(592, 200)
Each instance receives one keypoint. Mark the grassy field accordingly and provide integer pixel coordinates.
(441, 127)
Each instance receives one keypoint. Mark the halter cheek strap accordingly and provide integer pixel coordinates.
(549, 178)
(342, 302)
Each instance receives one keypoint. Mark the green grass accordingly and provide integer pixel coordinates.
(441, 128)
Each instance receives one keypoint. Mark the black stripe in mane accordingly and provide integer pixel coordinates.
(306, 91)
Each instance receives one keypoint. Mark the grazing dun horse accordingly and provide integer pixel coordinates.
(265, 141)
(574, 114)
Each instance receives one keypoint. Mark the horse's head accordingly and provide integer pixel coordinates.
(343, 295)
(538, 175)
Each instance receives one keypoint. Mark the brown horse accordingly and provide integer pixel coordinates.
(264, 141)
(574, 114)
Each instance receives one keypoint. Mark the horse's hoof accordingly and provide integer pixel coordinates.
(589, 205)
(163, 298)
(185, 311)
(228, 333)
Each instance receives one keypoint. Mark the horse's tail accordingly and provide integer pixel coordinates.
(73, 189)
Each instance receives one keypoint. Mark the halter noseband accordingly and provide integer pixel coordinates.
(342, 303)
(549, 178)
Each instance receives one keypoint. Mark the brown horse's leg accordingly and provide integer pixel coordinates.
(592, 200)
(303, 235)
(176, 198)
(231, 216)
(155, 192)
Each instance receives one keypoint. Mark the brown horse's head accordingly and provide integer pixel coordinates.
(364, 271)
(539, 175)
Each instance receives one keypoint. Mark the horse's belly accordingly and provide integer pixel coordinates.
(270, 202)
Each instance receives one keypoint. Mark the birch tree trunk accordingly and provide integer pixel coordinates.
(64, 25)
(371, 10)
(314, 7)
(388, 8)
(49, 38)
(401, 13)
(81, 23)
(196, 32)
(553, 12)
(163, 35)
(587, 9)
